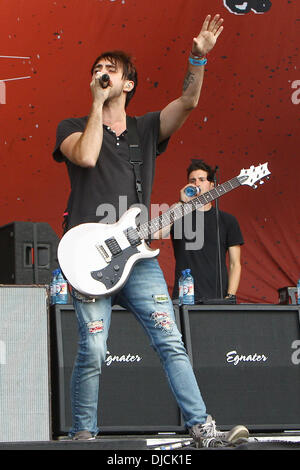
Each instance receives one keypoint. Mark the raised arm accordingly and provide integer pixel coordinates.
(175, 113)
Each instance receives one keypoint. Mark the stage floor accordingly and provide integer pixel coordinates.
(153, 443)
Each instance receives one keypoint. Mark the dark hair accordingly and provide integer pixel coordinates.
(198, 164)
(129, 70)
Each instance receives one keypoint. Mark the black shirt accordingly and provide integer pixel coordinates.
(203, 262)
(106, 191)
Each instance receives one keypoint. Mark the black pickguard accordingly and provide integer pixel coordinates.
(112, 273)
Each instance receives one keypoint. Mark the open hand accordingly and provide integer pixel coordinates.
(207, 38)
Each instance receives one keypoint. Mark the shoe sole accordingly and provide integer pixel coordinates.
(236, 433)
(85, 439)
(83, 436)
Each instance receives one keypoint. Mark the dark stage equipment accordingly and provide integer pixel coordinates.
(28, 253)
(246, 359)
(287, 295)
(134, 394)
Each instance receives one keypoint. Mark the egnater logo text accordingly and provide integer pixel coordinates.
(127, 358)
(234, 358)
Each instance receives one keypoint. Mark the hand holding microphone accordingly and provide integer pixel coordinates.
(100, 87)
(104, 80)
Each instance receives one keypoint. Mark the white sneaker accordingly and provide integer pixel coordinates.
(207, 434)
(83, 436)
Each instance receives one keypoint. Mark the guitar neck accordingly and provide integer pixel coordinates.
(169, 217)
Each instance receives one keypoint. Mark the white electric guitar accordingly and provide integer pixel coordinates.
(97, 259)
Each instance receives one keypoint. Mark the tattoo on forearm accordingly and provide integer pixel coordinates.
(189, 78)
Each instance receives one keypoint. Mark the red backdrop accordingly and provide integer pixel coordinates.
(248, 114)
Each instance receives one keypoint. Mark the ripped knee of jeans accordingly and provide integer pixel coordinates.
(95, 327)
(163, 321)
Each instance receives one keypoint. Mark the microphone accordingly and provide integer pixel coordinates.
(104, 80)
(215, 174)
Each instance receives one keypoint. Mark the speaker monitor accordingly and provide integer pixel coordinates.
(28, 253)
(134, 393)
(246, 359)
(24, 368)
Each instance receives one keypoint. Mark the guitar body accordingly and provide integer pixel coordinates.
(97, 258)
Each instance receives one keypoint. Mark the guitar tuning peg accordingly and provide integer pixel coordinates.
(254, 186)
(261, 182)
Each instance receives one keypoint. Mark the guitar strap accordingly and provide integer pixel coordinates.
(135, 154)
(135, 158)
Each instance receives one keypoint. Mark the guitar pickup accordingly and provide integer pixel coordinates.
(132, 236)
(104, 253)
(113, 246)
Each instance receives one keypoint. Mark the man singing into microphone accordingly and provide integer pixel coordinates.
(98, 155)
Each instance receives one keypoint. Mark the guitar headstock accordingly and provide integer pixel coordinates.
(252, 175)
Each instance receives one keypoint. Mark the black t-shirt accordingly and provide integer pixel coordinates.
(203, 261)
(106, 191)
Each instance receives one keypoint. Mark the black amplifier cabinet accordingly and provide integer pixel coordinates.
(246, 359)
(134, 393)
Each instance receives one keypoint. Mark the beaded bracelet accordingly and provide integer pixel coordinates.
(194, 56)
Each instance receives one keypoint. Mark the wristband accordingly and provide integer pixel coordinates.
(198, 62)
(194, 56)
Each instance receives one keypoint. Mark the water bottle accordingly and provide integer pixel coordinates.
(192, 191)
(53, 287)
(298, 292)
(180, 287)
(61, 289)
(188, 289)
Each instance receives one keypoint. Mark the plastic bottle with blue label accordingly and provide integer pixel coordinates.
(191, 191)
(53, 287)
(298, 292)
(61, 289)
(188, 289)
(180, 287)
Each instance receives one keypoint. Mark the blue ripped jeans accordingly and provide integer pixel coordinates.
(142, 295)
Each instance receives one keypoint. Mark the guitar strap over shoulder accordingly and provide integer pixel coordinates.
(135, 158)
(135, 154)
